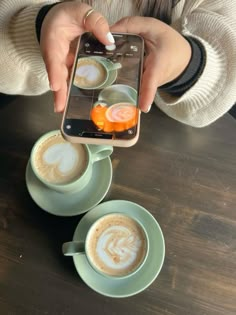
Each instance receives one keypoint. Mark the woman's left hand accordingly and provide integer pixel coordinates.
(167, 54)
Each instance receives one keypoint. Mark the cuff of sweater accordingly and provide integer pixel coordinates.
(19, 45)
(192, 72)
(40, 18)
(22, 43)
(192, 106)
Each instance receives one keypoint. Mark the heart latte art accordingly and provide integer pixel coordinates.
(117, 245)
(89, 73)
(60, 162)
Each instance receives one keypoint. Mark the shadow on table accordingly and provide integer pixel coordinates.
(232, 111)
(56, 230)
(20, 213)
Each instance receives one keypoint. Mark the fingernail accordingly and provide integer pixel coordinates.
(110, 47)
(110, 38)
(148, 110)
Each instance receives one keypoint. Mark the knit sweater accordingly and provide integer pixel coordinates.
(211, 22)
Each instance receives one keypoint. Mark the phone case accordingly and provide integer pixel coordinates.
(107, 84)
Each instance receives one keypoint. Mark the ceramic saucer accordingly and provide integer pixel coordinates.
(136, 283)
(112, 74)
(73, 203)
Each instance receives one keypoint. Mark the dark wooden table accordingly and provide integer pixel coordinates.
(185, 177)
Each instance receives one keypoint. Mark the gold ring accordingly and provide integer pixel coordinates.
(87, 14)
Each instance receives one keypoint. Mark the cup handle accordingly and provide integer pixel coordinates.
(112, 66)
(99, 152)
(73, 248)
(115, 66)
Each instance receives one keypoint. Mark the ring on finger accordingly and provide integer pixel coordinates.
(87, 15)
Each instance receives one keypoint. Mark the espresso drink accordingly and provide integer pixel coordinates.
(89, 73)
(121, 112)
(58, 161)
(116, 245)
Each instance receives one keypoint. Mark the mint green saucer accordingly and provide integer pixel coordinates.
(112, 74)
(119, 288)
(73, 203)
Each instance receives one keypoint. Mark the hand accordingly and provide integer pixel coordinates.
(61, 26)
(167, 54)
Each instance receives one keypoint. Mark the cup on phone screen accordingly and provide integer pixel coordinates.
(93, 72)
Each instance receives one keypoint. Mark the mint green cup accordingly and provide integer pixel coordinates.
(118, 93)
(114, 249)
(82, 174)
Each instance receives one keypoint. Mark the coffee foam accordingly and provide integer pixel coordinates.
(121, 112)
(58, 161)
(89, 73)
(117, 245)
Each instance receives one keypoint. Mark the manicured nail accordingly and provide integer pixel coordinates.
(148, 110)
(110, 38)
(110, 47)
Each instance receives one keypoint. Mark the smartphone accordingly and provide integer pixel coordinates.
(103, 95)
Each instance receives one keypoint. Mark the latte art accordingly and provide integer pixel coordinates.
(117, 245)
(118, 117)
(58, 161)
(121, 112)
(89, 73)
(62, 158)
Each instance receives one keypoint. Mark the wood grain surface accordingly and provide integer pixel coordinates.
(185, 177)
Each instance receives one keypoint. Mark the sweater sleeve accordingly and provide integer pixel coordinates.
(213, 24)
(22, 67)
(192, 72)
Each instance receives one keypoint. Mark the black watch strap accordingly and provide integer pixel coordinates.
(40, 17)
(192, 72)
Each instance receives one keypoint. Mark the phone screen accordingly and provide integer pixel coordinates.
(104, 89)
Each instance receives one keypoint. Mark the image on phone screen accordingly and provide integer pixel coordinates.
(103, 95)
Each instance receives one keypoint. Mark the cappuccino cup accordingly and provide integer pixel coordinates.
(93, 72)
(64, 166)
(118, 93)
(116, 246)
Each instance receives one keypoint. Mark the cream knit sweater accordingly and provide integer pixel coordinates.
(213, 22)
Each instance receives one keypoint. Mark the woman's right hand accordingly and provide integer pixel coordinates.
(62, 25)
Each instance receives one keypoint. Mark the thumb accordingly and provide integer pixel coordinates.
(149, 84)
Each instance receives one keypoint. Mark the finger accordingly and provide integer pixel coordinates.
(60, 97)
(98, 25)
(54, 73)
(149, 85)
(59, 86)
(137, 25)
(70, 60)
(55, 57)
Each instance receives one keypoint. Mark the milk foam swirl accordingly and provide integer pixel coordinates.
(121, 112)
(62, 159)
(89, 72)
(58, 161)
(117, 247)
